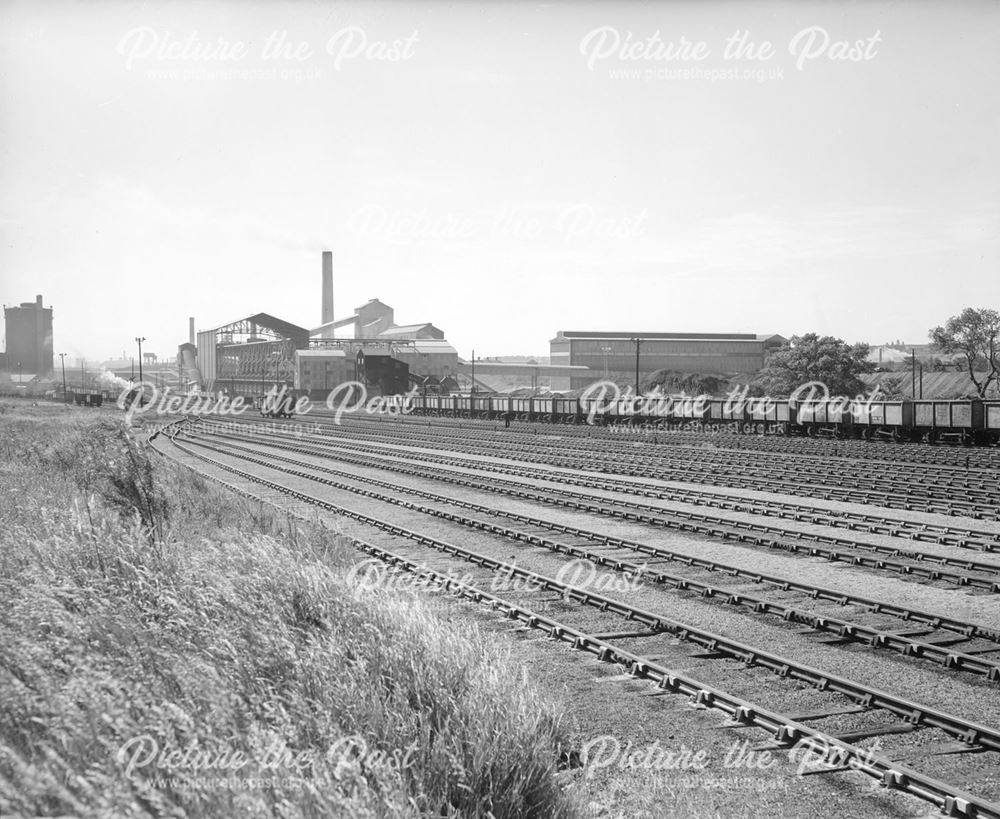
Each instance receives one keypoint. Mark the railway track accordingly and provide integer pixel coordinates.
(756, 577)
(963, 537)
(912, 643)
(713, 525)
(845, 715)
(897, 527)
(909, 452)
(904, 489)
(615, 443)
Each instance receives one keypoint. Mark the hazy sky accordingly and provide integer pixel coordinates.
(516, 169)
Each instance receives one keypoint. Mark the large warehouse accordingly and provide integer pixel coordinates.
(612, 354)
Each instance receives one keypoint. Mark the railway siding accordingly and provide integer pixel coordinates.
(426, 524)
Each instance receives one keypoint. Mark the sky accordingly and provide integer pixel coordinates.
(503, 170)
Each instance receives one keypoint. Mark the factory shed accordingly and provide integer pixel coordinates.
(251, 355)
(422, 331)
(612, 354)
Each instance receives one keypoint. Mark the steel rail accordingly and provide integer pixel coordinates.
(965, 628)
(787, 731)
(848, 630)
(695, 471)
(743, 712)
(964, 730)
(801, 464)
(959, 460)
(895, 528)
(721, 527)
(976, 539)
(870, 451)
(773, 477)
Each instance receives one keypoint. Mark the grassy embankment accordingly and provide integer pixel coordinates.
(144, 611)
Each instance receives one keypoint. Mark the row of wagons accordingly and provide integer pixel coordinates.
(967, 421)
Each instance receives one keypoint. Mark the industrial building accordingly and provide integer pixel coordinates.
(251, 355)
(248, 356)
(373, 319)
(28, 334)
(612, 355)
(373, 331)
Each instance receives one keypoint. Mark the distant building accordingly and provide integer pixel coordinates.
(371, 331)
(319, 371)
(28, 333)
(613, 354)
(252, 355)
(374, 330)
(248, 356)
(374, 319)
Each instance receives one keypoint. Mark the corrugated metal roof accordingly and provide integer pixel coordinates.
(266, 320)
(406, 329)
(323, 353)
(429, 345)
(625, 336)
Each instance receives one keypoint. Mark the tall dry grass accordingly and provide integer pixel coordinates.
(143, 605)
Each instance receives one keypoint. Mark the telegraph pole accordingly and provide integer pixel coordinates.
(913, 372)
(139, 340)
(637, 342)
(62, 362)
(472, 389)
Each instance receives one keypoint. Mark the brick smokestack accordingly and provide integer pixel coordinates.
(327, 287)
(191, 330)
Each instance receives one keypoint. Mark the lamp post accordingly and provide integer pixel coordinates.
(139, 340)
(62, 362)
(636, 342)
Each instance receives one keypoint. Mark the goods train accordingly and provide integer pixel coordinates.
(965, 421)
(88, 397)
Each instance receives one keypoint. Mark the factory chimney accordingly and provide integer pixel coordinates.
(191, 330)
(327, 287)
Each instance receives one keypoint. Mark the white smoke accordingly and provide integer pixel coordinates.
(109, 381)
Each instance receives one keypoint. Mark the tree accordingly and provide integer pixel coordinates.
(975, 334)
(894, 388)
(672, 381)
(811, 357)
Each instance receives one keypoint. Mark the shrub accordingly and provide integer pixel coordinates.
(143, 606)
